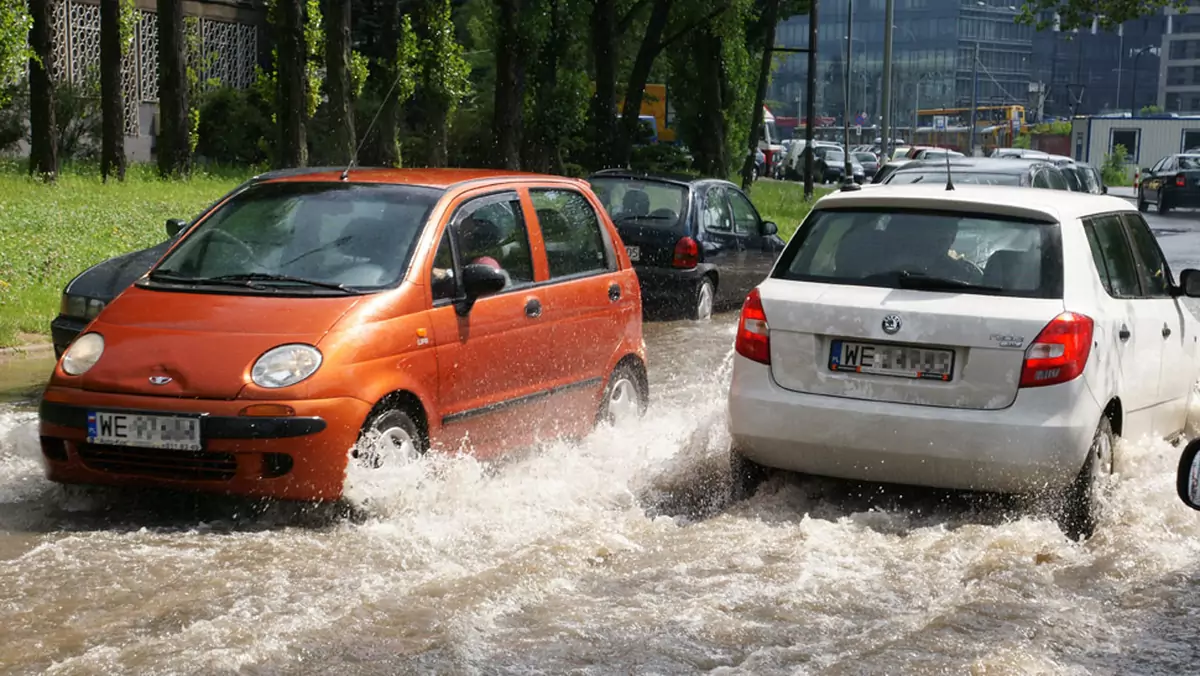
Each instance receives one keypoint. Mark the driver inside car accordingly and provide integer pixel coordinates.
(480, 242)
(922, 244)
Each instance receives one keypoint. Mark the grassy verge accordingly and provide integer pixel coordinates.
(48, 234)
(783, 203)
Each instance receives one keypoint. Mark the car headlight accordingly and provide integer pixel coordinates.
(81, 307)
(285, 365)
(83, 354)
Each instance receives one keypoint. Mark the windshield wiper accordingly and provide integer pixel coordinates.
(170, 277)
(635, 217)
(918, 280)
(248, 278)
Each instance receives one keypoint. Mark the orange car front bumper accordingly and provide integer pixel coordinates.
(295, 457)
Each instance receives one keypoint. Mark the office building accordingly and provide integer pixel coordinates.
(1179, 65)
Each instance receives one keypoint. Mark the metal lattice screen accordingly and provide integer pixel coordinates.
(220, 52)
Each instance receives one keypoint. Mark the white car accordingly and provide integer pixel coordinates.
(987, 338)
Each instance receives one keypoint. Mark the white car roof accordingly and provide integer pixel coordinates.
(1038, 203)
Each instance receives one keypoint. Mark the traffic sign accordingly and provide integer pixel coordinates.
(939, 121)
(858, 129)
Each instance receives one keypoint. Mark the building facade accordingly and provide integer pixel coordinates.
(1179, 65)
(933, 56)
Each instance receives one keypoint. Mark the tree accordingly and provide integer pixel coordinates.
(648, 50)
(443, 76)
(397, 64)
(15, 24)
(112, 99)
(604, 68)
(1080, 13)
(43, 146)
(510, 85)
(292, 105)
(174, 137)
(337, 79)
(771, 16)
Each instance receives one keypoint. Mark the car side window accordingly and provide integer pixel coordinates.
(1168, 165)
(1155, 274)
(745, 217)
(714, 213)
(443, 278)
(571, 231)
(1056, 180)
(1159, 166)
(491, 231)
(1112, 255)
(1039, 179)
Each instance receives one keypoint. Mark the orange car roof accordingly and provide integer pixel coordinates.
(431, 178)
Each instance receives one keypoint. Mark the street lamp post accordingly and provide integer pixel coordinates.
(848, 178)
(1133, 89)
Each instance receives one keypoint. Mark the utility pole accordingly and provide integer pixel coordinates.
(811, 110)
(848, 178)
(974, 98)
(885, 136)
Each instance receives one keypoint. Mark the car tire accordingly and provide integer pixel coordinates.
(745, 476)
(703, 296)
(1142, 205)
(1080, 509)
(395, 428)
(1161, 205)
(627, 395)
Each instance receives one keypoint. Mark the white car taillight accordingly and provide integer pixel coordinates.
(753, 335)
(1059, 352)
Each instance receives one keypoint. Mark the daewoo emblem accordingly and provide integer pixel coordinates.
(891, 324)
(160, 380)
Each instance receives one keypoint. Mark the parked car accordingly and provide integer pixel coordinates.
(869, 162)
(1172, 183)
(91, 290)
(882, 174)
(696, 244)
(987, 339)
(1020, 153)
(794, 161)
(386, 311)
(934, 153)
(981, 171)
(1089, 178)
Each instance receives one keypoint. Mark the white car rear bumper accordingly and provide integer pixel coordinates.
(1039, 441)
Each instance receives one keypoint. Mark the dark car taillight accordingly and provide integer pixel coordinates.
(1180, 180)
(687, 253)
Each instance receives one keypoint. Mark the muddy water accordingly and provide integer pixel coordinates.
(617, 555)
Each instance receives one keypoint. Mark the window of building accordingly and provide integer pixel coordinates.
(1130, 138)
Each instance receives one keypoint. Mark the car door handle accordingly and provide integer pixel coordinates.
(614, 292)
(1166, 331)
(1123, 334)
(533, 308)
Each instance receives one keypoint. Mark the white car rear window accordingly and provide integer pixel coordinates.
(941, 251)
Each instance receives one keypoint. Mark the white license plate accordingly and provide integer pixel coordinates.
(171, 432)
(901, 361)
(635, 254)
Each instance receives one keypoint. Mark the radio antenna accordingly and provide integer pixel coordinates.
(367, 134)
(949, 178)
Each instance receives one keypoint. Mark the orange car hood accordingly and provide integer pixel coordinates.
(206, 343)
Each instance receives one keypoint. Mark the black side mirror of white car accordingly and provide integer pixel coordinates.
(1189, 283)
(1188, 480)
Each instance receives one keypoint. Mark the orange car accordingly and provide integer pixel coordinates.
(318, 318)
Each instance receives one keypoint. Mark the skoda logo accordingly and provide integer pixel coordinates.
(160, 380)
(891, 324)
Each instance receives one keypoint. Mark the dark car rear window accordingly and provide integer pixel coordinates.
(656, 204)
(891, 248)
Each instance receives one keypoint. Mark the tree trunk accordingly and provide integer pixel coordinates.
(112, 99)
(711, 154)
(507, 122)
(771, 17)
(43, 147)
(542, 152)
(604, 62)
(636, 87)
(389, 114)
(292, 112)
(174, 129)
(337, 79)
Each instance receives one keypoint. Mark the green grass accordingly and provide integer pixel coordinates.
(50, 233)
(783, 203)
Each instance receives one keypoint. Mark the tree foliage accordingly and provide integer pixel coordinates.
(15, 53)
(1080, 13)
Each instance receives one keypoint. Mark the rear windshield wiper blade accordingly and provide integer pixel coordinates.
(919, 280)
(635, 217)
(250, 277)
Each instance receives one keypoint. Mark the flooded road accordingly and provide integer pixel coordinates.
(619, 554)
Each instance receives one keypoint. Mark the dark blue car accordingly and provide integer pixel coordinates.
(696, 244)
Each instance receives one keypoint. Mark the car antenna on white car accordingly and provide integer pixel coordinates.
(949, 178)
(367, 134)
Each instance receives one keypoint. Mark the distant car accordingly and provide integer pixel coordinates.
(1172, 183)
(696, 244)
(1089, 177)
(934, 153)
(882, 174)
(829, 166)
(986, 339)
(793, 163)
(327, 321)
(1022, 153)
(982, 171)
(869, 162)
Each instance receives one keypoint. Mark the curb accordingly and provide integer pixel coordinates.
(25, 351)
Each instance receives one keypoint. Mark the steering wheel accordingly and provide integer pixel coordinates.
(246, 253)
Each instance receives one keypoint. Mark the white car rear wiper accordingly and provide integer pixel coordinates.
(918, 280)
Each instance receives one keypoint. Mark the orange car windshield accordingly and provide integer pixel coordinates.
(312, 237)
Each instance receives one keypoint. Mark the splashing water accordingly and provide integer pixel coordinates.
(619, 553)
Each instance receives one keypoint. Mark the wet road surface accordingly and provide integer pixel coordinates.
(619, 554)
